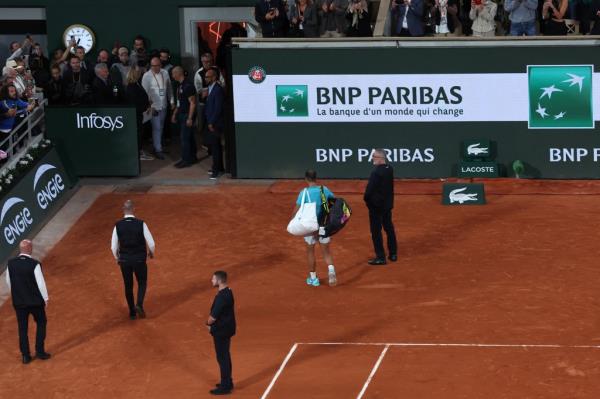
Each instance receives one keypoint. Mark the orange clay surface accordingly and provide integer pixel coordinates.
(523, 269)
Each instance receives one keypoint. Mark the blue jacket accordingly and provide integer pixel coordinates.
(414, 18)
(213, 110)
(6, 122)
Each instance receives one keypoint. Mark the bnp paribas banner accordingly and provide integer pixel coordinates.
(30, 202)
(533, 108)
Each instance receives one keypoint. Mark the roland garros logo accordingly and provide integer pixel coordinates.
(257, 74)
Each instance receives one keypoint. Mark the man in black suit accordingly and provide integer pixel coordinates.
(221, 325)
(131, 243)
(30, 297)
(213, 112)
(379, 197)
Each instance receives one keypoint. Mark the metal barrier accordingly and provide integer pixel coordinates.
(21, 138)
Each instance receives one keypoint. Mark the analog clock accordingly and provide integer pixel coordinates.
(82, 34)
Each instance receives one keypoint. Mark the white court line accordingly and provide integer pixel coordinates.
(377, 364)
(455, 345)
(285, 361)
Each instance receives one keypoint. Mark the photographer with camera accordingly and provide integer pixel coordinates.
(271, 16)
(483, 14)
(553, 13)
(522, 16)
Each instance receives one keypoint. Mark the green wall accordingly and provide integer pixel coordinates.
(120, 20)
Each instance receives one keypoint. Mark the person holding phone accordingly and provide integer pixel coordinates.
(407, 18)
(483, 13)
(271, 16)
(11, 106)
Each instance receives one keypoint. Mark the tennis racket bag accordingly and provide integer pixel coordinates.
(337, 217)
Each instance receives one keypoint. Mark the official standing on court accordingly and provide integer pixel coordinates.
(30, 297)
(131, 243)
(221, 325)
(379, 197)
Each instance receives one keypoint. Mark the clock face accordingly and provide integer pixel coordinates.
(82, 35)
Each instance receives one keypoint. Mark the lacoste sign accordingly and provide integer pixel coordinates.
(463, 194)
(477, 169)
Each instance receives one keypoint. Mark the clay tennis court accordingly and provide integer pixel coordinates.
(495, 301)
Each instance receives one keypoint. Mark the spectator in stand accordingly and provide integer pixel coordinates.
(270, 14)
(15, 78)
(39, 65)
(120, 70)
(24, 75)
(77, 83)
(332, 14)
(165, 59)
(104, 91)
(595, 17)
(104, 57)
(407, 18)
(214, 121)
(138, 54)
(11, 107)
(85, 64)
(136, 95)
(359, 19)
(522, 15)
(445, 14)
(54, 89)
(18, 50)
(183, 116)
(553, 14)
(304, 19)
(483, 14)
(157, 84)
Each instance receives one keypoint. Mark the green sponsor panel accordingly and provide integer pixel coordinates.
(476, 149)
(463, 194)
(560, 97)
(344, 114)
(95, 141)
(31, 201)
(477, 169)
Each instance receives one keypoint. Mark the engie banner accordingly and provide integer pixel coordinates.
(420, 105)
(30, 202)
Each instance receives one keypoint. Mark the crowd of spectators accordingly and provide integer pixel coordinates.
(417, 18)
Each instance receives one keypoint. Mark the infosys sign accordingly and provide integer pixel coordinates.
(100, 122)
(28, 203)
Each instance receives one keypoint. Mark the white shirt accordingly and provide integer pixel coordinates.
(158, 88)
(405, 19)
(39, 279)
(114, 244)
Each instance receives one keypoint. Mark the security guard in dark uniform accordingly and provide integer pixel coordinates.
(379, 197)
(29, 296)
(131, 243)
(221, 325)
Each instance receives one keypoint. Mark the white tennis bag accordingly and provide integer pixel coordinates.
(304, 223)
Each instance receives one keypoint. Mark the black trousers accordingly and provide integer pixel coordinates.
(379, 218)
(128, 269)
(39, 315)
(222, 346)
(213, 142)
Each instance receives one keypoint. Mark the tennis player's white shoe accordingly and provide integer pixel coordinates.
(313, 282)
(332, 278)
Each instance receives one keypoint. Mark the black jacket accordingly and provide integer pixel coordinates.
(271, 28)
(380, 189)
